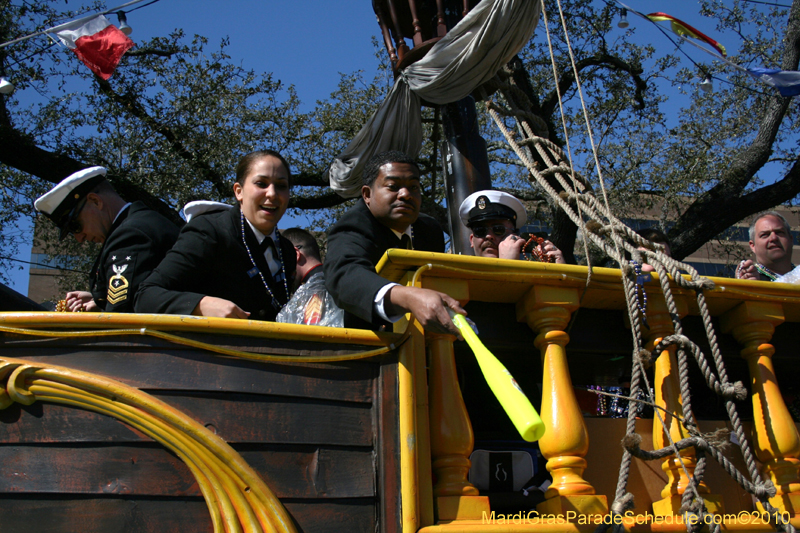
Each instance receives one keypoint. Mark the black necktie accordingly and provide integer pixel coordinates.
(405, 242)
(265, 245)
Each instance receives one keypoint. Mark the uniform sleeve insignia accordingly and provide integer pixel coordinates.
(312, 313)
(117, 285)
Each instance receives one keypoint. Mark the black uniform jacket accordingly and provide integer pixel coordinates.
(355, 245)
(138, 241)
(210, 259)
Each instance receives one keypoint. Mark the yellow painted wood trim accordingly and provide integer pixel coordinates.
(240, 354)
(237, 498)
(396, 262)
(409, 450)
(199, 324)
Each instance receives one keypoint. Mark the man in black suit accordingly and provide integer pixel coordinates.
(386, 216)
(134, 237)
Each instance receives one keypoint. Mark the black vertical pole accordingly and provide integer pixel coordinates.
(466, 164)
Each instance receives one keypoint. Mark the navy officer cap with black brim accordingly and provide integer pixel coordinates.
(59, 203)
(492, 205)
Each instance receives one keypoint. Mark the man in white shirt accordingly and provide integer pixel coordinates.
(771, 242)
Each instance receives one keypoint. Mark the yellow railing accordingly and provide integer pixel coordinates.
(546, 296)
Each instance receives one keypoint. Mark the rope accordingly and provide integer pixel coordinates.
(240, 354)
(598, 225)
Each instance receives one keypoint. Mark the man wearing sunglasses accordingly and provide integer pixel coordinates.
(495, 218)
(134, 238)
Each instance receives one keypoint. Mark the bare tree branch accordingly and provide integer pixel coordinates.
(138, 52)
(131, 105)
(723, 205)
(599, 59)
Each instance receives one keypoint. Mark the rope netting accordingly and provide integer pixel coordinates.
(550, 169)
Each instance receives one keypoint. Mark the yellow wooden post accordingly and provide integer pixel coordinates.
(667, 392)
(775, 438)
(451, 434)
(547, 311)
(409, 452)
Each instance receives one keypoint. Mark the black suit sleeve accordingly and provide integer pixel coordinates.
(350, 275)
(171, 286)
(133, 248)
(355, 245)
(129, 261)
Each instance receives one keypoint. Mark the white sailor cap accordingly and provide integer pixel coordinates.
(60, 204)
(198, 207)
(492, 205)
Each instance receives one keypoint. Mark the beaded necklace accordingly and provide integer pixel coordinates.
(769, 273)
(536, 251)
(641, 294)
(252, 272)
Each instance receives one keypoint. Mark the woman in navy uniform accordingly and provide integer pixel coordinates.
(233, 262)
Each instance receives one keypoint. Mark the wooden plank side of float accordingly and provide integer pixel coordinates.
(337, 487)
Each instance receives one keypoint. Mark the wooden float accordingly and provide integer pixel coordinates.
(134, 424)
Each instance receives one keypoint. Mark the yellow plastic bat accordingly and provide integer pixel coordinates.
(503, 385)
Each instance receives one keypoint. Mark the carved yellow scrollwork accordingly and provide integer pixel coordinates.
(237, 498)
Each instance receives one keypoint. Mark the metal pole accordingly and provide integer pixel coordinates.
(466, 165)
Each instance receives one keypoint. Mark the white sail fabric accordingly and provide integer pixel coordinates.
(468, 56)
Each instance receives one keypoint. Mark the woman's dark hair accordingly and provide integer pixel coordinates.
(247, 161)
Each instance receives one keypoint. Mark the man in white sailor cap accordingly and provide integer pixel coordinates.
(134, 237)
(495, 218)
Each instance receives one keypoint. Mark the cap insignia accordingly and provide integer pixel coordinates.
(480, 203)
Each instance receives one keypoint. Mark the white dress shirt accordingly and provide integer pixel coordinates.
(270, 253)
(381, 294)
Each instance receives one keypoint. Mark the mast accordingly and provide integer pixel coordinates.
(465, 159)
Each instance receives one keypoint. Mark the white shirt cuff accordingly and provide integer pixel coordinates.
(378, 304)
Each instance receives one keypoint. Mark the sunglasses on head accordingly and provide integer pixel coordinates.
(499, 230)
(73, 224)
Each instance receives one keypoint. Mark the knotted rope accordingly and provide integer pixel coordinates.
(549, 166)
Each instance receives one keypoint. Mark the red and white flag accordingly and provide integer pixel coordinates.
(96, 42)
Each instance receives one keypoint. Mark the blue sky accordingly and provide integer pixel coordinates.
(308, 43)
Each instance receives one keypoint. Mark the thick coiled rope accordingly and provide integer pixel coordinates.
(598, 225)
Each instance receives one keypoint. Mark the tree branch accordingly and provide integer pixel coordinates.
(309, 179)
(131, 105)
(723, 205)
(720, 216)
(327, 199)
(137, 52)
(20, 152)
(599, 59)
